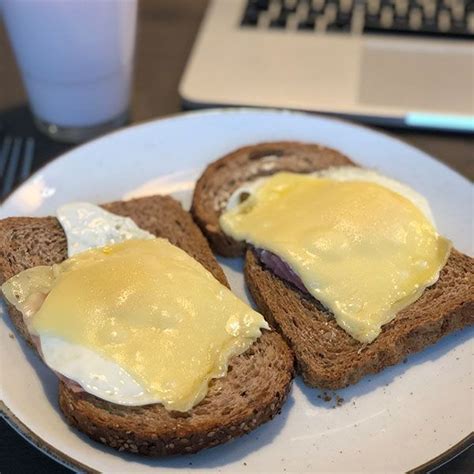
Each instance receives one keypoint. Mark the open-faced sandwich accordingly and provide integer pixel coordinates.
(126, 303)
(345, 263)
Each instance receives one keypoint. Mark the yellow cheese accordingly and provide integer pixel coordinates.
(361, 249)
(149, 307)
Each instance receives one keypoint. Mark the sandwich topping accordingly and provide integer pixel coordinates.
(135, 322)
(363, 245)
(88, 226)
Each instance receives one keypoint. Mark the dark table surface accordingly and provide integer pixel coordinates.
(166, 31)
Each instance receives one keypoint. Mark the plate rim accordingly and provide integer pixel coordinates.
(224, 110)
(39, 443)
(71, 463)
(54, 453)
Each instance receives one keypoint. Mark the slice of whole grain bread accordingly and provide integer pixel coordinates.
(327, 357)
(222, 177)
(252, 392)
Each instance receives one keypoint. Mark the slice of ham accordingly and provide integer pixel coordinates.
(274, 263)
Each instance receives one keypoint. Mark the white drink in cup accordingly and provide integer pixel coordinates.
(76, 60)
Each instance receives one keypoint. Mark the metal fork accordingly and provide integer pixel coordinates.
(16, 158)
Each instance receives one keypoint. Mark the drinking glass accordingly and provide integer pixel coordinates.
(76, 61)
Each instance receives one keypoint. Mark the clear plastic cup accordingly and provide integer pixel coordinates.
(76, 61)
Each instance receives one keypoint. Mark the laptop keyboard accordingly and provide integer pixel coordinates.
(423, 18)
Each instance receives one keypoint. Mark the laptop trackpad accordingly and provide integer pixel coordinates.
(420, 79)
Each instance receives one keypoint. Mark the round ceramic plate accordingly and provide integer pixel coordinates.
(394, 421)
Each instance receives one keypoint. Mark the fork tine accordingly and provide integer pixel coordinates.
(13, 162)
(4, 152)
(27, 158)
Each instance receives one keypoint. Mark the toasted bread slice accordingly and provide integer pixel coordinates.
(222, 177)
(327, 357)
(252, 392)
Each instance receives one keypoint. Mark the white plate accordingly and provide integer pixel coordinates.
(393, 421)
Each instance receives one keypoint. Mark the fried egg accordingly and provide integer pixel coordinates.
(362, 244)
(129, 317)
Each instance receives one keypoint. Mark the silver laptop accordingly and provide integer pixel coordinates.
(392, 62)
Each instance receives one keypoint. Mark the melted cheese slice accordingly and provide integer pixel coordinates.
(147, 306)
(363, 250)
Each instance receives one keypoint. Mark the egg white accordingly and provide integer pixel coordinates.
(95, 374)
(88, 226)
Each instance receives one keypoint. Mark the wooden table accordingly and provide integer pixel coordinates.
(166, 32)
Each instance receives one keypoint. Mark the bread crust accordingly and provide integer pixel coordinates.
(222, 177)
(252, 392)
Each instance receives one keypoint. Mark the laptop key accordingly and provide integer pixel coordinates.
(290, 5)
(308, 23)
(401, 8)
(344, 18)
(345, 6)
(373, 7)
(470, 22)
(386, 17)
(400, 24)
(415, 19)
(372, 22)
(444, 20)
(429, 9)
(250, 17)
(279, 21)
(429, 26)
(260, 4)
(340, 25)
(317, 6)
(458, 11)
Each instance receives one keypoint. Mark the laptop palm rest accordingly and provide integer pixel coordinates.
(422, 79)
